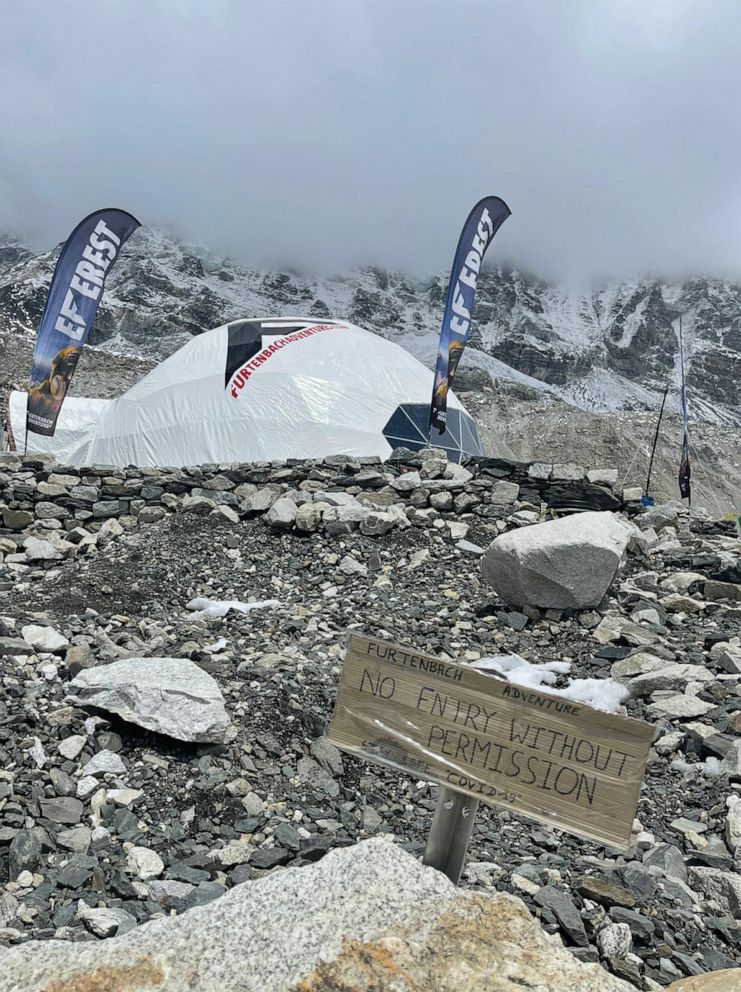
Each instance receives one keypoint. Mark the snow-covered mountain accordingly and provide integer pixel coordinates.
(613, 347)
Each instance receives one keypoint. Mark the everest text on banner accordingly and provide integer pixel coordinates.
(75, 292)
(482, 224)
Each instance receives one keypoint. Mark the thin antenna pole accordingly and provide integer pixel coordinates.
(656, 438)
(25, 439)
(684, 470)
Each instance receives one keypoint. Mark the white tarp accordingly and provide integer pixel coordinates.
(76, 422)
(304, 390)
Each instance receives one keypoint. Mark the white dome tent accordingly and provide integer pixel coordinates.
(260, 390)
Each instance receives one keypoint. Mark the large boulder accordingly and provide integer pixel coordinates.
(559, 564)
(366, 918)
(171, 696)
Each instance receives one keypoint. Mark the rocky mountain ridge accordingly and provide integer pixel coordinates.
(611, 348)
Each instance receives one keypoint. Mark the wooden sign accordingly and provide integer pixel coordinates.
(525, 750)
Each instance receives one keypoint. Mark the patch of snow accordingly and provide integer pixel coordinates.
(601, 694)
(216, 646)
(220, 607)
(709, 767)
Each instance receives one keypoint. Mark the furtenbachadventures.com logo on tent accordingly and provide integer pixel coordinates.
(257, 352)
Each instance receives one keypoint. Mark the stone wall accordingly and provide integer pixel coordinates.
(51, 511)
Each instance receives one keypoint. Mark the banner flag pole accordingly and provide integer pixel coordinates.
(478, 232)
(74, 294)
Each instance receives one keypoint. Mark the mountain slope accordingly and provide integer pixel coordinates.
(612, 348)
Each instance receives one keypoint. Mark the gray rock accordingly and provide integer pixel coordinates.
(9, 907)
(151, 514)
(640, 663)
(312, 774)
(503, 493)
(378, 522)
(722, 591)
(727, 657)
(603, 476)
(640, 926)
(567, 473)
(225, 514)
(442, 501)
(312, 928)
(669, 742)
(282, 513)
(642, 882)
(308, 517)
(262, 500)
(564, 564)
(328, 756)
(565, 912)
(77, 839)
(407, 482)
(669, 858)
(335, 498)
(171, 696)
(617, 628)
(50, 511)
(614, 941)
(64, 809)
(679, 707)
(434, 463)
(658, 517)
(253, 805)
(70, 747)
(104, 763)
(344, 519)
(723, 887)
(199, 505)
(38, 550)
(112, 508)
(672, 676)
(731, 763)
(677, 603)
(104, 922)
(16, 519)
(144, 863)
(470, 547)
(238, 852)
(351, 566)
(606, 892)
(14, 646)
(44, 638)
(169, 893)
(24, 853)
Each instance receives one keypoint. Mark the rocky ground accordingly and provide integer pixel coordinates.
(517, 423)
(155, 826)
(98, 375)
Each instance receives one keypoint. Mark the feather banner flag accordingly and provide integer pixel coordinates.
(74, 294)
(478, 232)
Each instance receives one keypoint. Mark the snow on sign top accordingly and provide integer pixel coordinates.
(541, 755)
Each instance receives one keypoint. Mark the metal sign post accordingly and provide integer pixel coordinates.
(450, 833)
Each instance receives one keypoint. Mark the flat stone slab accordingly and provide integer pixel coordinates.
(171, 696)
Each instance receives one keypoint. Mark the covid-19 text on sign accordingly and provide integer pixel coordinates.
(540, 755)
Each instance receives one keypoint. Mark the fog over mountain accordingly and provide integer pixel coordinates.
(340, 133)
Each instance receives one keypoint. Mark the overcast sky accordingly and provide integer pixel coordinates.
(332, 132)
